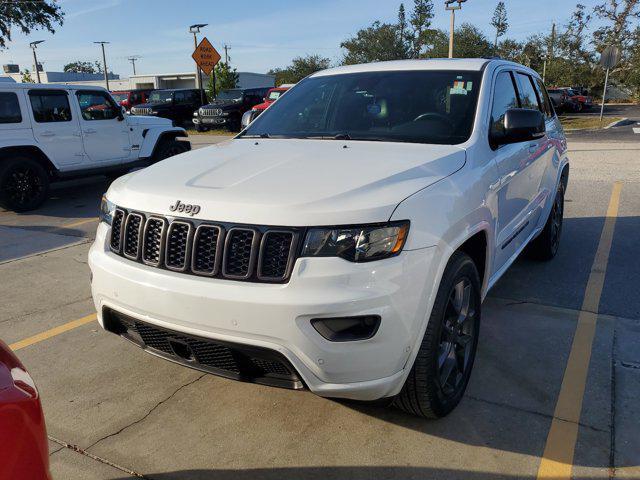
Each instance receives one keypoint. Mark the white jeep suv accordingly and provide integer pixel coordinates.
(344, 241)
(55, 132)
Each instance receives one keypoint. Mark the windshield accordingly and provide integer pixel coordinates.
(230, 95)
(402, 106)
(160, 96)
(118, 97)
(275, 94)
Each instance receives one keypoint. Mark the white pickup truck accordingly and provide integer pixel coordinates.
(344, 241)
(53, 132)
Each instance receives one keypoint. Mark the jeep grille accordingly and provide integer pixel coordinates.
(221, 250)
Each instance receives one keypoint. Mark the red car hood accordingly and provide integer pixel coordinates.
(262, 106)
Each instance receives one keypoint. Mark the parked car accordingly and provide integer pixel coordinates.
(581, 99)
(49, 133)
(345, 240)
(176, 105)
(272, 95)
(130, 98)
(25, 447)
(561, 100)
(228, 107)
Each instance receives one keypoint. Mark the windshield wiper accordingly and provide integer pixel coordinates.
(260, 135)
(337, 136)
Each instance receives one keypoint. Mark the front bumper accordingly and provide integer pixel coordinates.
(210, 121)
(277, 317)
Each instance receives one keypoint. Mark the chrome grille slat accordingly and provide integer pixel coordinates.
(178, 248)
(133, 227)
(198, 247)
(210, 112)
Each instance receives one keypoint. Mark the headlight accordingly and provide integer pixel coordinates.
(357, 244)
(107, 209)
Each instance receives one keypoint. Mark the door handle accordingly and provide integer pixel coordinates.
(48, 133)
(533, 147)
(89, 130)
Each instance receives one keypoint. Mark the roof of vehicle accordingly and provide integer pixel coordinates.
(128, 90)
(472, 64)
(175, 90)
(49, 86)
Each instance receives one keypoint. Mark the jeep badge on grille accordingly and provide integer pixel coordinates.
(186, 208)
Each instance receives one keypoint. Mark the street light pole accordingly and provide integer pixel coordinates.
(448, 5)
(104, 64)
(195, 29)
(33, 46)
(133, 60)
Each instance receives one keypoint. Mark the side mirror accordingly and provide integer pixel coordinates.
(519, 125)
(246, 119)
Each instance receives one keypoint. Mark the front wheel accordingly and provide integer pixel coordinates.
(169, 148)
(442, 368)
(24, 184)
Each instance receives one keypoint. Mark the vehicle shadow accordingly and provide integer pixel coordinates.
(329, 473)
(25, 240)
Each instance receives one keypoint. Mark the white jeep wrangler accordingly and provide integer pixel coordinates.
(53, 132)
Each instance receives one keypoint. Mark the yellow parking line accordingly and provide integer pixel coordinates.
(53, 332)
(78, 223)
(557, 459)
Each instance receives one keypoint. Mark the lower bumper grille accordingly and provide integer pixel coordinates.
(239, 362)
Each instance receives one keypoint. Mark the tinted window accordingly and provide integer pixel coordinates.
(542, 94)
(180, 97)
(528, 98)
(504, 98)
(9, 108)
(50, 106)
(394, 106)
(97, 106)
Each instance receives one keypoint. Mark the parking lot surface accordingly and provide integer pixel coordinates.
(554, 391)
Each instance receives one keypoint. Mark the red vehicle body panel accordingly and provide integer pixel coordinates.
(24, 449)
(128, 103)
(263, 106)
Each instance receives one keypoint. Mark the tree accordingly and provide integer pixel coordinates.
(420, 22)
(226, 77)
(499, 22)
(470, 42)
(300, 68)
(83, 67)
(377, 43)
(26, 76)
(27, 16)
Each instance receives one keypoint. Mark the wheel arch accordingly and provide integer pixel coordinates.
(30, 151)
(154, 137)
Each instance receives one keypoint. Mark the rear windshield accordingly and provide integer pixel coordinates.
(402, 106)
(118, 97)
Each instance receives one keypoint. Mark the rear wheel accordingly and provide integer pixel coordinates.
(24, 184)
(442, 368)
(545, 247)
(169, 148)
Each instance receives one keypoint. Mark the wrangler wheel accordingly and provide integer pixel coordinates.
(24, 184)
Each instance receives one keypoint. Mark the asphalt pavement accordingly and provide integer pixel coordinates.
(115, 412)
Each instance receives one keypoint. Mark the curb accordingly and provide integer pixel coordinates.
(611, 125)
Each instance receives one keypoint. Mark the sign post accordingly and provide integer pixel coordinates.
(608, 59)
(206, 57)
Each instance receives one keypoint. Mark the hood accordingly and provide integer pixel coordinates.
(147, 121)
(289, 182)
(263, 105)
(221, 103)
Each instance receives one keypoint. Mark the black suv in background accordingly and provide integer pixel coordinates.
(175, 104)
(227, 109)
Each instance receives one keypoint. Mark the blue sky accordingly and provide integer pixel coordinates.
(261, 34)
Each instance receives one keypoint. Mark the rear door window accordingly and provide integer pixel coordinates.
(528, 96)
(9, 108)
(50, 106)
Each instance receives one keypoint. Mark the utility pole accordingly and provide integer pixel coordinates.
(549, 54)
(226, 53)
(449, 5)
(195, 29)
(33, 46)
(104, 64)
(133, 59)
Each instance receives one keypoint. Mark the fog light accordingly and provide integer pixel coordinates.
(347, 329)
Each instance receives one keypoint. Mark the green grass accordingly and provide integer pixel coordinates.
(587, 122)
(215, 131)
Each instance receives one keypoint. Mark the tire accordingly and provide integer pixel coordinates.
(449, 344)
(546, 245)
(201, 129)
(169, 148)
(24, 184)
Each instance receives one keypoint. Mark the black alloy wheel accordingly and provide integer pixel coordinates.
(24, 184)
